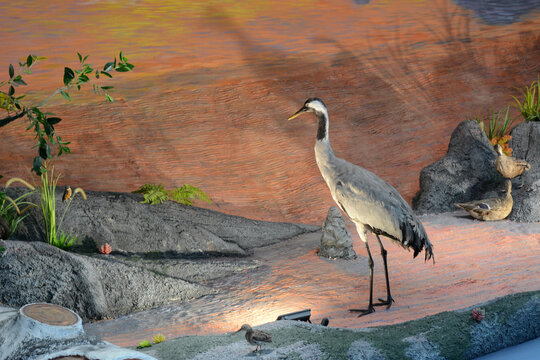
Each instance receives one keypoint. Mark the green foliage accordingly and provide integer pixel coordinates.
(530, 107)
(43, 123)
(48, 208)
(144, 344)
(64, 241)
(10, 209)
(156, 194)
(496, 125)
(2, 249)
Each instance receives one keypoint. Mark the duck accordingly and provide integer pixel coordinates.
(509, 167)
(490, 209)
(255, 337)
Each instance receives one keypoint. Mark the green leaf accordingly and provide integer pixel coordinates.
(44, 151)
(65, 95)
(108, 66)
(107, 87)
(69, 75)
(80, 57)
(11, 71)
(106, 74)
(49, 129)
(29, 60)
(86, 57)
(97, 74)
(11, 90)
(37, 164)
(109, 98)
(53, 120)
(82, 79)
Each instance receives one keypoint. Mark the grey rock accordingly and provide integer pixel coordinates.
(495, 333)
(525, 144)
(171, 229)
(336, 240)
(20, 339)
(467, 172)
(94, 287)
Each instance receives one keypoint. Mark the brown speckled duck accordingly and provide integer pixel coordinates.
(256, 337)
(508, 166)
(491, 209)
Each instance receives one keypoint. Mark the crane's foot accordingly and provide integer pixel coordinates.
(363, 312)
(387, 303)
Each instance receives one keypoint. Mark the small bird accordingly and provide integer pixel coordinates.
(510, 167)
(255, 337)
(369, 201)
(491, 209)
(67, 194)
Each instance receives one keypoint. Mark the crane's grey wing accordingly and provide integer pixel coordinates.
(371, 201)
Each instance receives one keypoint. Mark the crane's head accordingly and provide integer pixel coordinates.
(498, 149)
(314, 105)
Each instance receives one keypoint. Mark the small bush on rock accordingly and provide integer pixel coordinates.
(156, 194)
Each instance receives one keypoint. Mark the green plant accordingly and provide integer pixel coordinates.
(144, 344)
(64, 241)
(497, 127)
(156, 194)
(158, 338)
(530, 107)
(48, 208)
(41, 122)
(10, 209)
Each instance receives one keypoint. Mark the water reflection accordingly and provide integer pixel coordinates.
(475, 262)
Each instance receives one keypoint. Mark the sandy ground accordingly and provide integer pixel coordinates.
(475, 262)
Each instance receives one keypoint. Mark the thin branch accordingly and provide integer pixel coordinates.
(7, 120)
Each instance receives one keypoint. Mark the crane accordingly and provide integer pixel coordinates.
(369, 201)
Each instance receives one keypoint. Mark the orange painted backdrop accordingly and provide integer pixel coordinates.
(215, 81)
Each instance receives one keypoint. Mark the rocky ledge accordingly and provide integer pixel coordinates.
(152, 259)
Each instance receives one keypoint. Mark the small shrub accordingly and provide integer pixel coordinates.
(144, 344)
(105, 249)
(48, 208)
(64, 241)
(497, 126)
(10, 209)
(530, 107)
(158, 338)
(156, 194)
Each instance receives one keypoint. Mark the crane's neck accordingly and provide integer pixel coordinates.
(323, 150)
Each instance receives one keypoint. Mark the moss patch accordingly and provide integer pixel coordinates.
(449, 331)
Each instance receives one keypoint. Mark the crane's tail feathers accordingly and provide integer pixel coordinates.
(414, 236)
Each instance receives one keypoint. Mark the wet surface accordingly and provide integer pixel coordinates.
(214, 84)
(475, 262)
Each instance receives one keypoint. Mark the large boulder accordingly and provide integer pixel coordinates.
(525, 143)
(95, 287)
(129, 226)
(336, 240)
(467, 172)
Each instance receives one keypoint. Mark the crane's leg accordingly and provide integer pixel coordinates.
(370, 308)
(388, 302)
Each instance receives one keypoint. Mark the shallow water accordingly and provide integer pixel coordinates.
(475, 262)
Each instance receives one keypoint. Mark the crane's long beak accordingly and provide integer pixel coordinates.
(302, 110)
